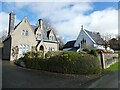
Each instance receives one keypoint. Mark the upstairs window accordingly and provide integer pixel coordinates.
(51, 38)
(39, 36)
(25, 33)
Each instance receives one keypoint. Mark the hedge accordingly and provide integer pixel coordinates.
(69, 62)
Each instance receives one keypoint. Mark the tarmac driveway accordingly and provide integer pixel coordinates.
(17, 77)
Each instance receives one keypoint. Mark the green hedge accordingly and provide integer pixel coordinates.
(66, 62)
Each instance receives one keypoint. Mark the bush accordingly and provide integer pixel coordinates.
(66, 62)
(30, 55)
(86, 50)
(94, 52)
(52, 53)
(33, 54)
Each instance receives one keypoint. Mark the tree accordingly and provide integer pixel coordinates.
(3, 35)
(114, 44)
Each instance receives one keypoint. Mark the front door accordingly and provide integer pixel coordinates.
(42, 49)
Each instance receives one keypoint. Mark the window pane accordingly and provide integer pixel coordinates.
(26, 33)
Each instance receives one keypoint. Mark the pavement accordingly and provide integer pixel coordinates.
(16, 77)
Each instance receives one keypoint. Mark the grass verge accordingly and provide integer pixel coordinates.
(114, 67)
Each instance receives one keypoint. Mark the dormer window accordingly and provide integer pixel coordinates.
(51, 38)
(39, 36)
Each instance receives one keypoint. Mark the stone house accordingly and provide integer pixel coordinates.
(26, 37)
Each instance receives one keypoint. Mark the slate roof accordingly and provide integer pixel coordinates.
(34, 27)
(69, 44)
(74, 49)
(95, 36)
(44, 32)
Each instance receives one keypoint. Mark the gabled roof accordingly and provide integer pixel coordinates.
(95, 36)
(34, 27)
(17, 25)
(69, 44)
(8, 37)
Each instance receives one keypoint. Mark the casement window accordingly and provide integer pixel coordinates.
(51, 38)
(39, 36)
(23, 48)
(24, 32)
(51, 49)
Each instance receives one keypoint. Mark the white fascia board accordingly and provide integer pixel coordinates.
(66, 49)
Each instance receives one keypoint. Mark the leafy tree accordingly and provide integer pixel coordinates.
(3, 35)
(115, 43)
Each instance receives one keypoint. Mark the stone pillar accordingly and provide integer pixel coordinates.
(102, 60)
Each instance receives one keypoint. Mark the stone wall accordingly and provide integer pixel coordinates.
(107, 59)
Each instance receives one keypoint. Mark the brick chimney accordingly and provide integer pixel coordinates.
(11, 22)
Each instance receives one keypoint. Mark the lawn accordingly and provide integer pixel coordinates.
(114, 67)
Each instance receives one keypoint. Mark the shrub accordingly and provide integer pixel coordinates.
(86, 50)
(30, 54)
(52, 53)
(66, 62)
(39, 54)
(71, 55)
(82, 53)
(94, 52)
(33, 54)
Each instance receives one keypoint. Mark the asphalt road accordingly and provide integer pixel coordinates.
(111, 80)
(0, 73)
(17, 77)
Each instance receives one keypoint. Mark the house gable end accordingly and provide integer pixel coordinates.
(23, 25)
(23, 34)
(82, 35)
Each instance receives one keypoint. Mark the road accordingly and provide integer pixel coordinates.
(17, 77)
(111, 80)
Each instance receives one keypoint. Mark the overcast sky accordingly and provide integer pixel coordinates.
(66, 17)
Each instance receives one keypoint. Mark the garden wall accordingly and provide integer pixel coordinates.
(107, 59)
